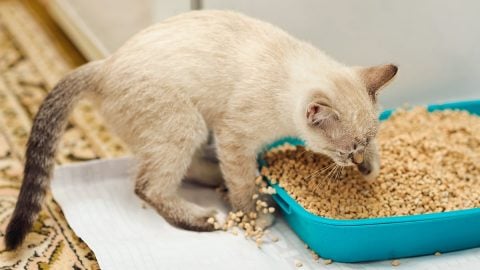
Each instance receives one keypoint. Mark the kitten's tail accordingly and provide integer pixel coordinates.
(46, 132)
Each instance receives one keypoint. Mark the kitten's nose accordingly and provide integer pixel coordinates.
(357, 157)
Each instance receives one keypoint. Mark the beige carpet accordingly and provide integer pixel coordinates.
(32, 60)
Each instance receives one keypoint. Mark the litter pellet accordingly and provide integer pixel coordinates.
(438, 253)
(327, 262)
(395, 263)
(430, 162)
(258, 180)
(259, 242)
(298, 264)
(315, 256)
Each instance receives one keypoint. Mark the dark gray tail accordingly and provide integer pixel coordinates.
(46, 132)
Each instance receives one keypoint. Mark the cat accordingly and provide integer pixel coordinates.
(245, 81)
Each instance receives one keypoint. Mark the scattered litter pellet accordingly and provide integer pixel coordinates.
(430, 163)
(438, 253)
(315, 256)
(298, 264)
(327, 262)
(246, 222)
(395, 263)
(258, 180)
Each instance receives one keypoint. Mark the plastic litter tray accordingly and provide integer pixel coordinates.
(382, 238)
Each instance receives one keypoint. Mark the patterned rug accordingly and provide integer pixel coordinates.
(32, 60)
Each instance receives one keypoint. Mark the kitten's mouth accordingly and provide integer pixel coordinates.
(343, 163)
(353, 159)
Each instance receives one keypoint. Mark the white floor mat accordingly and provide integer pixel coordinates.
(98, 201)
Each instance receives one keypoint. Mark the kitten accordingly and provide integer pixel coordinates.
(244, 80)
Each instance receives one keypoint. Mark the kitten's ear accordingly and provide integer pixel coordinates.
(320, 114)
(377, 77)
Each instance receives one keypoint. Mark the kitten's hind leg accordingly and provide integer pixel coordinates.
(162, 165)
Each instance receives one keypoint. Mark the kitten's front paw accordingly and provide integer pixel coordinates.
(264, 220)
(220, 217)
(369, 169)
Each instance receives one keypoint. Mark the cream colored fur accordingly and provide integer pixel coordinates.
(243, 79)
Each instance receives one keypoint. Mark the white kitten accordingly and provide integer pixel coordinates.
(245, 80)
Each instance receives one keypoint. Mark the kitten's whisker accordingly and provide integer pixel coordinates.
(334, 170)
(337, 169)
(325, 170)
(319, 171)
(304, 151)
(339, 173)
(335, 185)
(334, 176)
(331, 171)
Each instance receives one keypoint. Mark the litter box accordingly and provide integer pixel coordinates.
(386, 238)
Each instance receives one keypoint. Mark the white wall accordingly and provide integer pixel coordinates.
(99, 27)
(436, 43)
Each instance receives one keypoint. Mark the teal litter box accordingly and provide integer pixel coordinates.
(374, 239)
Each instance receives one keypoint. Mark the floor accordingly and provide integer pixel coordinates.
(34, 55)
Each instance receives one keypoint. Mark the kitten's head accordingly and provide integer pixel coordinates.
(341, 119)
